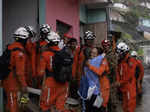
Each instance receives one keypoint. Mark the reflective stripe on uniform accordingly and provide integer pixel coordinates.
(67, 92)
(48, 95)
(11, 98)
(51, 61)
(128, 94)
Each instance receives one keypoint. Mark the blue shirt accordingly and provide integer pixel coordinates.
(92, 77)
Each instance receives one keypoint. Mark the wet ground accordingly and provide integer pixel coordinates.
(143, 105)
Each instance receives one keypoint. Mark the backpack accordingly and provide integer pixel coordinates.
(137, 72)
(62, 65)
(5, 63)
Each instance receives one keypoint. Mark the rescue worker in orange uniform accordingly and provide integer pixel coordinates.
(139, 73)
(53, 93)
(112, 63)
(125, 77)
(79, 58)
(102, 72)
(16, 81)
(38, 47)
(30, 63)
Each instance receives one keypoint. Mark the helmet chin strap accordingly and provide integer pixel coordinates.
(123, 55)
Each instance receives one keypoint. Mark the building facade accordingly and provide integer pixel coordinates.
(61, 15)
(94, 17)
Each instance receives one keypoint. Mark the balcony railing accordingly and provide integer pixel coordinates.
(93, 1)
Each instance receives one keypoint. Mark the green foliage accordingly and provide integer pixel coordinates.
(140, 52)
(126, 35)
(135, 11)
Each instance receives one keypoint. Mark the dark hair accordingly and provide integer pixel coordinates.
(100, 50)
(71, 40)
(22, 41)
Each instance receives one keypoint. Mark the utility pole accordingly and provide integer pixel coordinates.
(108, 11)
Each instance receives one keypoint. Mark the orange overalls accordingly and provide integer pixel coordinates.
(36, 54)
(16, 79)
(79, 58)
(75, 62)
(141, 75)
(102, 71)
(126, 77)
(53, 93)
(30, 72)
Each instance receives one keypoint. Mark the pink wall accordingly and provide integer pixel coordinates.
(66, 11)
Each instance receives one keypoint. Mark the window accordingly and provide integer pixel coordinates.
(63, 28)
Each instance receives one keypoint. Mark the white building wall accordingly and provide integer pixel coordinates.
(146, 50)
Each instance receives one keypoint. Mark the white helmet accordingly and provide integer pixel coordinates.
(122, 48)
(133, 53)
(31, 31)
(89, 35)
(21, 33)
(45, 29)
(52, 37)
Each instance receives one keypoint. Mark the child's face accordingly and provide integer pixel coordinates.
(94, 52)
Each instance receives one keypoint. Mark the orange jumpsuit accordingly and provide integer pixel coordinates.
(102, 71)
(16, 79)
(35, 58)
(75, 62)
(78, 63)
(141, 75)
(36, 55)
(29, 63)
(53, 93)
(125, 76)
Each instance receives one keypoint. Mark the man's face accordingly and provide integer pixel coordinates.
(73, 45)
(65, 40)
(106, 48)
(94, 52)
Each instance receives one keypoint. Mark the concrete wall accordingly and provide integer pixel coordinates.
(66, 11)
(18, 13)
(146, 50)
(96, 22)
(100, 30)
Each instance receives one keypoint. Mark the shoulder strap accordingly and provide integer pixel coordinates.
(37, 46)
(18, 49)
(128, 60)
